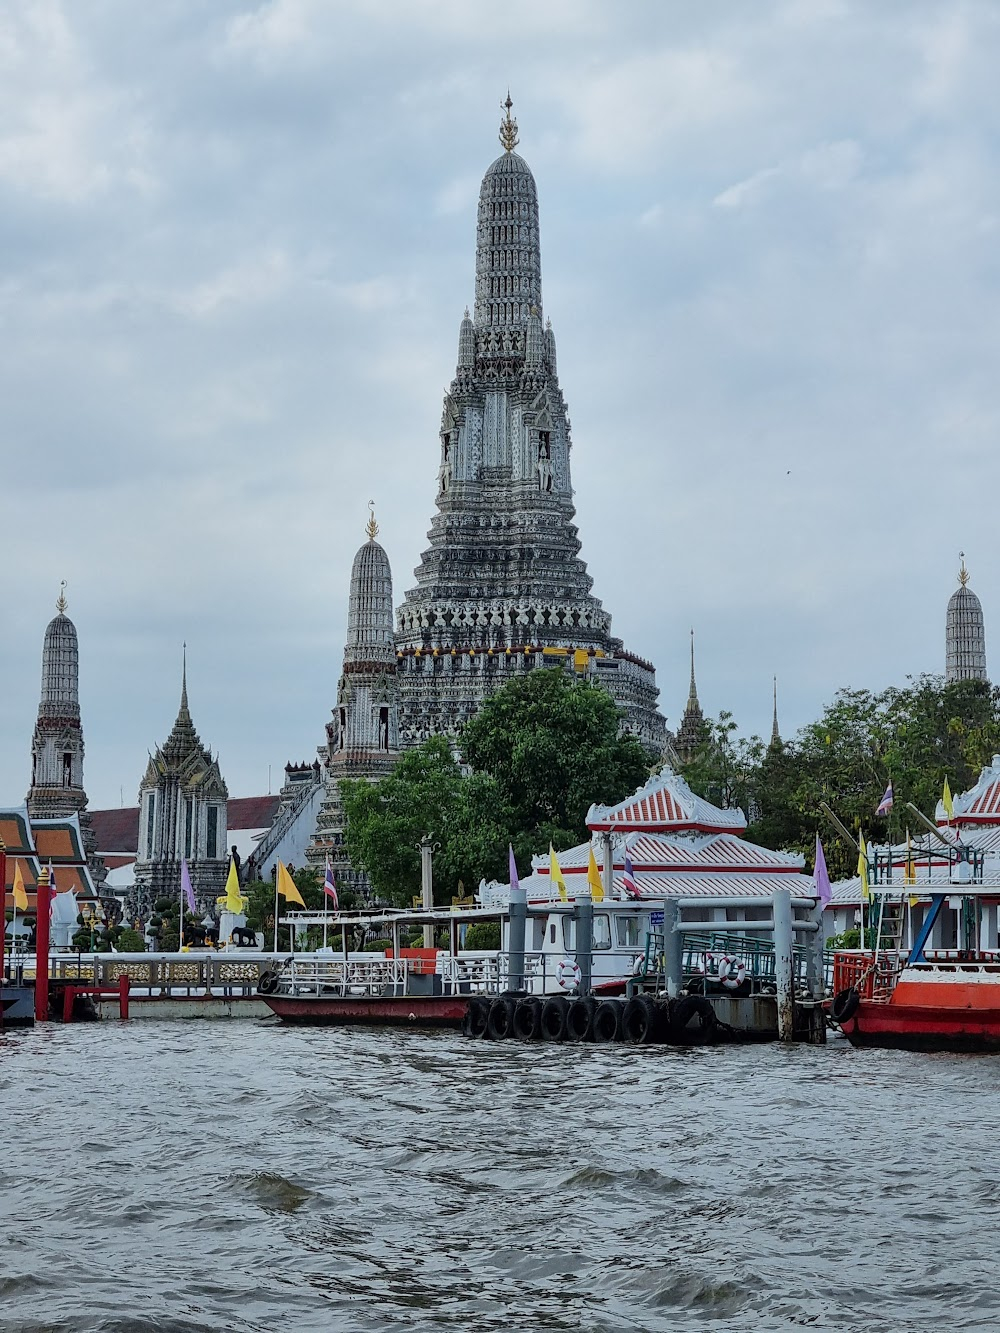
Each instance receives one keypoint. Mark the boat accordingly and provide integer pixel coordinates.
(922, 997)
(432, 987)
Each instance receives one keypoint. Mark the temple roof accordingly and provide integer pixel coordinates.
(39, 842)
(980, 804)
(665, 804)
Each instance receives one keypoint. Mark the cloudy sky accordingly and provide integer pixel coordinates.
(236, 240)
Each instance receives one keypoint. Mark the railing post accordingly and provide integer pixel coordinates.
(517, 921)
(584, 913)
(673, 949)
(783, 977)
(427, 885)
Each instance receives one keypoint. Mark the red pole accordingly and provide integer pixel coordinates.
(123, 996)
(3, 900)
(43, 902)
(3, 915)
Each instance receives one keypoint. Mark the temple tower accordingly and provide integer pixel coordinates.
(691, 732)
(775, 733)
(965, 633)
(182, 816)
(363, 733)
(502, 588)
(56, 790)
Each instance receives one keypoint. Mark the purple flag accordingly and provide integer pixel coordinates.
(186, 888)
(515, 883)
(823, 891)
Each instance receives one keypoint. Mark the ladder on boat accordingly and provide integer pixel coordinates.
(891, 928)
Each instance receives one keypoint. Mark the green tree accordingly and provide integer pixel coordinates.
(426, 794)
(552, 746)
(915, 735)
(725, 767)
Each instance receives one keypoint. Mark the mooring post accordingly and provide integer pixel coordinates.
(123, 985)
(783, 978)
(517, 921)
(673, 949)
(817, 949)
(43, 900)
(427, 885)
(583, 911)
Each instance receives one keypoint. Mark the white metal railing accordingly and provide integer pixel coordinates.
(376, 976)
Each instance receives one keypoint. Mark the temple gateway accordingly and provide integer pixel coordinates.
(502, 588)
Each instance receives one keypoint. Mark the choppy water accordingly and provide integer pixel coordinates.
(214, 1175)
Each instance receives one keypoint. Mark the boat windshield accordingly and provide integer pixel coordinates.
(628, 932)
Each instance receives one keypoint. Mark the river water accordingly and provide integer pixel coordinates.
(243, 1176)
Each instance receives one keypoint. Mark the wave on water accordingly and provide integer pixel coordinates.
(271, 1180)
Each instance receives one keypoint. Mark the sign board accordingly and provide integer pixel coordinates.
(656, 918)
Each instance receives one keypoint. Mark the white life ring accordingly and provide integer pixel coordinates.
(638, 963)
(568, 973)
(732, 972)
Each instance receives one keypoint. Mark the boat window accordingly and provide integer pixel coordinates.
(628, 932)
(602, 932)
(537, 933)
(552, 933)
(567, 932)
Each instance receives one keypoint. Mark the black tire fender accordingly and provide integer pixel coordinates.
(527, 1024)
(267, 983)
(607, 1026)
(476, 1017)
(845, 1005)
(554, 1012)
(692, 1020)
(639, 1020)
(500, 1021)
(580, 1019)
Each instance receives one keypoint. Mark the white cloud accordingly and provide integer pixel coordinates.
(235, 244)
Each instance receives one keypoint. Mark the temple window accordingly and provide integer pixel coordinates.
(212, 839)
(188, 824)
(67, 777)
(150, 811)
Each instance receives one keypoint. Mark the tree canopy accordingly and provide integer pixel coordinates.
(915, 735)
(536, 756)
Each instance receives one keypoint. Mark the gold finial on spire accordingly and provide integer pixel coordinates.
(61, 602)
(372, 527)
(963, 573)
(508, 127)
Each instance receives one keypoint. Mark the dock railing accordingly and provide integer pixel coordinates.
(703, 955)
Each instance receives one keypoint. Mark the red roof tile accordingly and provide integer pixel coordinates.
(118, 830)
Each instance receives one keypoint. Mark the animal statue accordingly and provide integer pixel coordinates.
(243, 937)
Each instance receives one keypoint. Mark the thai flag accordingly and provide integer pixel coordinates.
(885, 805)
(330, 886)
(629, 881)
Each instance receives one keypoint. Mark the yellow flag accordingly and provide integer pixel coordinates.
(946, 801)
(286, 886)
(20, 897)
(863, 867)
(555, 874)
(234, 903)
(594, 879)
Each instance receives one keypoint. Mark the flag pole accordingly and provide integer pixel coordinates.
(276, 908)
(180, 919)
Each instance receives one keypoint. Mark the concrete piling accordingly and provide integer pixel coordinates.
(783, 964)
(673, 948)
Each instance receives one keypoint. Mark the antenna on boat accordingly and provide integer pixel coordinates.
(933, 828)
(841, 828)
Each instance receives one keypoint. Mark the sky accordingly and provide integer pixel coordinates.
(236, 242)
